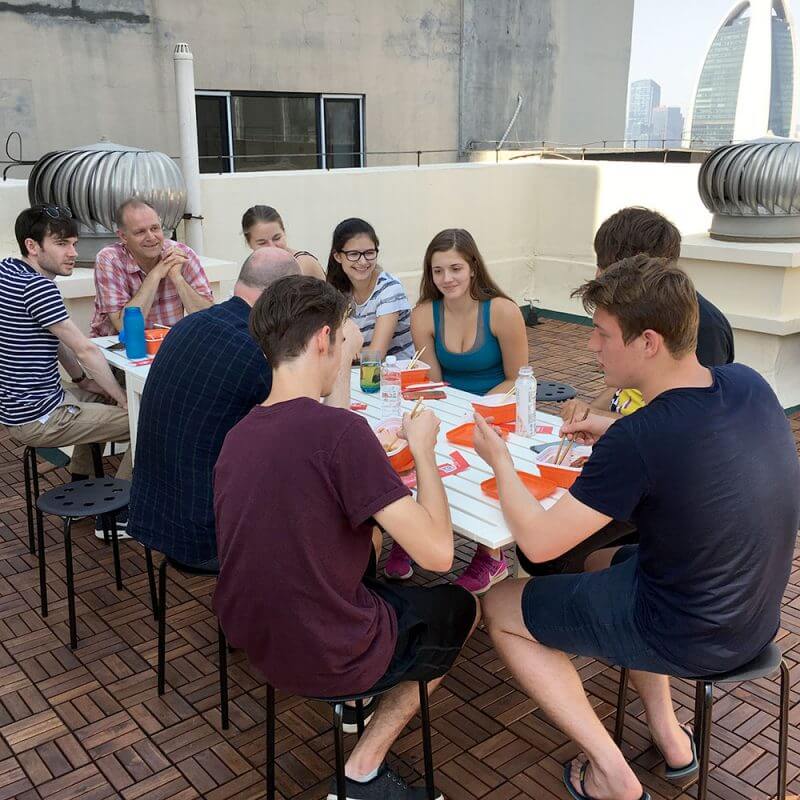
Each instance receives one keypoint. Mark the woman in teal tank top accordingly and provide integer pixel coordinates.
(475, 340)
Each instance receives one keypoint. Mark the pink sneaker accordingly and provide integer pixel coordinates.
(398, 565)
(483, 572)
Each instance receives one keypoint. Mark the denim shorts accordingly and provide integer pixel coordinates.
(592, 614)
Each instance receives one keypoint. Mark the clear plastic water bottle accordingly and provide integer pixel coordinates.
(526, 402)
(391, 398)
(132, 333)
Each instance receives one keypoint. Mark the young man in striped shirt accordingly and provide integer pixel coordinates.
(36, 334)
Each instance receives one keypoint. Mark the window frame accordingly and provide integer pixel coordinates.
(331, 96)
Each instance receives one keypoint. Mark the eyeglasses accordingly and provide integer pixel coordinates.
(354, 255)
(56, 212)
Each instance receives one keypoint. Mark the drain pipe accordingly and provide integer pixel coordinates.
(187, 130)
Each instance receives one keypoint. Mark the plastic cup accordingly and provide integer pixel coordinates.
(370, 371)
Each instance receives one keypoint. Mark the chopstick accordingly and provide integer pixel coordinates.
(560, 461)
(416, 409)
(159, 325)
(417, 354)
(509, 392)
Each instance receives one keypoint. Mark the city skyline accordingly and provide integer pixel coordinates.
(660, 31)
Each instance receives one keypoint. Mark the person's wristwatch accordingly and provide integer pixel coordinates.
(81, 378)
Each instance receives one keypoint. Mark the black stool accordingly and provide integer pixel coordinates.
(32, 485)
(160, 602)
(338, 736)
(101, 497)
(554, 392)
(766, 663)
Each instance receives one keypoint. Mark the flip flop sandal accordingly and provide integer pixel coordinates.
(581, 795)
(681, 773)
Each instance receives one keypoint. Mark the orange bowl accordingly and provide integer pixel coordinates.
(538, 487)
(498, 408)
(153, 338)
(400, 457)
(463, 433)
(408, 376)
(562, 475)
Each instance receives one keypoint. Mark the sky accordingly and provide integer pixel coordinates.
(670, 38)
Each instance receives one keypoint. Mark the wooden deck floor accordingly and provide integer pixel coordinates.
(90, 725)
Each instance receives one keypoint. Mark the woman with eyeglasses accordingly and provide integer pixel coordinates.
(263, 226)
(380, 305)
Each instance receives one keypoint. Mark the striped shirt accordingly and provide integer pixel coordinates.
(30, 385)
(388, 297)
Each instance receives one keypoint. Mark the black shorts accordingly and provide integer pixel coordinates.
(433, 624)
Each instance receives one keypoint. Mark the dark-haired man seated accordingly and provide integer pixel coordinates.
(36, 334)
(708, 472)
(298, 487)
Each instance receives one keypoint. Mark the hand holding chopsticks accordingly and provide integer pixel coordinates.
(561, 456)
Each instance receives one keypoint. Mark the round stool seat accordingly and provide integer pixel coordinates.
(766, 663)
(87, 498)
(554, 392)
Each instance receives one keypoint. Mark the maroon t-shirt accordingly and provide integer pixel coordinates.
(295, 487)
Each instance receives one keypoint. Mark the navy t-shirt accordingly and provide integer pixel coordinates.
(710, 478)
(714, 336)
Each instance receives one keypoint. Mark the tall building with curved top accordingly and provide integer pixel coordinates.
(747, 85)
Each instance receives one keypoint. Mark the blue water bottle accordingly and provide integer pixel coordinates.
(132, 333)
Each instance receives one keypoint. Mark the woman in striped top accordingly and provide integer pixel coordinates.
(381, 308)
(263, 226)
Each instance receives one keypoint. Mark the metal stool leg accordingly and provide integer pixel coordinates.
(359, 717)
(783, 731)
(222, 647)
(97, 460)
(162, 625)
(270, 742)
(151, 579)
(42, 562)
(426, 739)
(338, 738)
(698, 714)
(622, 694)
(73, 625)
(29, 469)
(705, 739)
(114, 546)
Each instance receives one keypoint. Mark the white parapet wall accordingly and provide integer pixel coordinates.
(534, 222)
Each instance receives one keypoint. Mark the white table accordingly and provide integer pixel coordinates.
(135, 377)
(475, 516)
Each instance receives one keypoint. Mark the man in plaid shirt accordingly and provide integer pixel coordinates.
(164, 278)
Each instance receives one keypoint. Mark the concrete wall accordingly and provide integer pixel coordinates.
(569, 59)
(115, 57)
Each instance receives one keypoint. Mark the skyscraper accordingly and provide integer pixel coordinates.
(644, 96)
(746, 86)
(666, 127)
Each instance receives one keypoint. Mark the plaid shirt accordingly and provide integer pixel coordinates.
(208, 374)
(117, 278)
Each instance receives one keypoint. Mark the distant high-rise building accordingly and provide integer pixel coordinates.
(644, 96)
(746, 86)
(666, 127)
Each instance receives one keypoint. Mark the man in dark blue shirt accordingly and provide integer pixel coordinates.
(708, 473)
(208, 374)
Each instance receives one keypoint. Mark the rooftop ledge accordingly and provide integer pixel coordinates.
(701, 247)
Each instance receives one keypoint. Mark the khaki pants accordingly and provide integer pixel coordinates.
(79, 421)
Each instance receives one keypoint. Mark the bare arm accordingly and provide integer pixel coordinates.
(509, 328)
(603, 401)
(89, 355)
(383, 334)
(191, 299)
(311, 267)
(145, 296)
(422, 334)
(422, 527)
(541, 534)
(577, 409)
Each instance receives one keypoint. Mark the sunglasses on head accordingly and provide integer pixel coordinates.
(56, 212)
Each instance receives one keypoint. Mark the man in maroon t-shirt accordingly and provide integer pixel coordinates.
(298, 488)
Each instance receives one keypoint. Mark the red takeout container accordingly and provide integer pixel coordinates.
(500, 409)
(463, 433)
(562, 475)
(410, 376)
(400, 458)
(153, 338)
(538, 487)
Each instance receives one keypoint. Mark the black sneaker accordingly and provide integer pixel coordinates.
(122, 526)
(349, 717)
(384, 786)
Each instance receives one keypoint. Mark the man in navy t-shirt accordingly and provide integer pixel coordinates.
(707, 472)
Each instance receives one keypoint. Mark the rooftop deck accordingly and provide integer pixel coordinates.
(90, 725)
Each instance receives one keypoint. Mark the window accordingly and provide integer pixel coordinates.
(249, 131)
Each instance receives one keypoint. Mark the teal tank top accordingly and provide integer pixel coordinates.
(480, 368)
